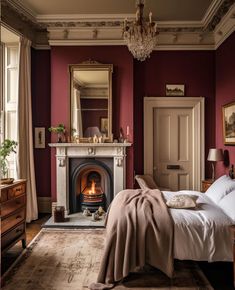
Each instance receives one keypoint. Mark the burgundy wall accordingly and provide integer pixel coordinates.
(195, 69)
(122, 89)
(131, 82)
(41, 109)
(225, 93)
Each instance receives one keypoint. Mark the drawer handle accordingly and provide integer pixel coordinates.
(18, 189)
(19, 230)
(18, 217)
(18, 202)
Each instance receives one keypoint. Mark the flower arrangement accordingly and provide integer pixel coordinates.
(60, 130)
(7, 147)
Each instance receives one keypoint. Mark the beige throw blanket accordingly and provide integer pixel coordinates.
(139, 232)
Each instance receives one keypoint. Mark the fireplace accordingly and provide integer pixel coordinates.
(105, 161)
(91, 183)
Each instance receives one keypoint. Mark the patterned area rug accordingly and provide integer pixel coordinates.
(70, 259)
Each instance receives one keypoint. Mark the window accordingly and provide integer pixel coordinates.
(9, 92)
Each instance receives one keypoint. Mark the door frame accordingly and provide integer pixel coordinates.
(197, 104)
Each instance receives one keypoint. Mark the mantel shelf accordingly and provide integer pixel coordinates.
(90, 144)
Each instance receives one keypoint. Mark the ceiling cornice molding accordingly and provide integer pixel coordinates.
(120, 42)
(185, 47)
(47, 18)
(41, 47)
(20, 9)
(95, 29)
(220, 13)
(225, 28)
(211, 11)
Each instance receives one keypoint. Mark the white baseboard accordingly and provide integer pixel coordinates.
(44, 204)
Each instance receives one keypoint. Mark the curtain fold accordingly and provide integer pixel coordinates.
(25, 159)
(79, 113)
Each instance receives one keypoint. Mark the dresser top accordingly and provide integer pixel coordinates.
(14, 183)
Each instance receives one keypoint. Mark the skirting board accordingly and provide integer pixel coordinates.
(44, 204)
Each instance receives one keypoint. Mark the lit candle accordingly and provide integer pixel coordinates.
(125, 22)
(127, 130)
(155, 27)
(150, 17)
(137, 15)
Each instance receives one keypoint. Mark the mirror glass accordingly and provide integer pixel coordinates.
(91, 100)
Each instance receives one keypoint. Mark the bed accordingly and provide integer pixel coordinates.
(199, 234)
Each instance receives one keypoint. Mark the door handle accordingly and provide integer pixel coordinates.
(173, 167)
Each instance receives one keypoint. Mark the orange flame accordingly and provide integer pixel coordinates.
(92, 187)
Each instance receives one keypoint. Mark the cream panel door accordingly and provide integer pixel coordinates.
(173, 148)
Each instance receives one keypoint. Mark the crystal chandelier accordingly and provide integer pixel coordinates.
(140, 35)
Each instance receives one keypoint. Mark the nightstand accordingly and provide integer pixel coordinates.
(206, 184)
(233, 238)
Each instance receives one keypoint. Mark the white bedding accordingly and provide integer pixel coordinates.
(201, 234)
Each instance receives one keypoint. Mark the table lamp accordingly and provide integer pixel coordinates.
(214, 156)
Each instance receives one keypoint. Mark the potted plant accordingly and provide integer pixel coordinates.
(7, 147)
(60, 130)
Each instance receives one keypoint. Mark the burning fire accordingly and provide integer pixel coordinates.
(92, 191)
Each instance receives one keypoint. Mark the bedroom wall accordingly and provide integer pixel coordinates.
(132, 80)
(225, 93)
(41, 109)
(195, 69)
(122, 60)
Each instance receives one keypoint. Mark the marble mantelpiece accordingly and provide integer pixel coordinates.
(65, 151)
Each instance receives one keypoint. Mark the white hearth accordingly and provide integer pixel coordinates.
(65, 151)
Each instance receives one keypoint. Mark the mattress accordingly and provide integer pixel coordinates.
(201, 234)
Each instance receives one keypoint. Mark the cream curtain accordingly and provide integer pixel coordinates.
(79, 113)
(25, 159)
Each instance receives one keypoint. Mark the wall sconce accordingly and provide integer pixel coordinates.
(214, 156)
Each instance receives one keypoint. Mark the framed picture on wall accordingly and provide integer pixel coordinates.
(228, 112)
(39, 137)
(104, 125)
(174, 90)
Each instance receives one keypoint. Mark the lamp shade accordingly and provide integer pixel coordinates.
(215, 155)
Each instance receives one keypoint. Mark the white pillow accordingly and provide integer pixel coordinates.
(221, 187)
(182, 201)
(228, 204)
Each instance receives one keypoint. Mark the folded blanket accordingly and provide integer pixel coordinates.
(139, 232)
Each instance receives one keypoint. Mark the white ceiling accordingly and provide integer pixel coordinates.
(163, 10)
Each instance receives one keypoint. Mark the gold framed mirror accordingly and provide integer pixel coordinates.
(91, 100)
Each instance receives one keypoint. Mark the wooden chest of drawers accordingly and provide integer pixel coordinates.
(13, 211)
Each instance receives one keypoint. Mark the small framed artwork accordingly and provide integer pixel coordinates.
(228, 112)
(39, 137)
(104, 125)
(174, 90)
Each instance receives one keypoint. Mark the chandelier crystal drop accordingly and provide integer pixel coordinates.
(140, 35)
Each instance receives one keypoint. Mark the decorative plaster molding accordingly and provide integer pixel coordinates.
(25, 14)
(208, 33)
(211, 12)
(225, 28)
(223, 9)
(41, 47)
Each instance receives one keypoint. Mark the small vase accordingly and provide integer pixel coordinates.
(59, 137)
